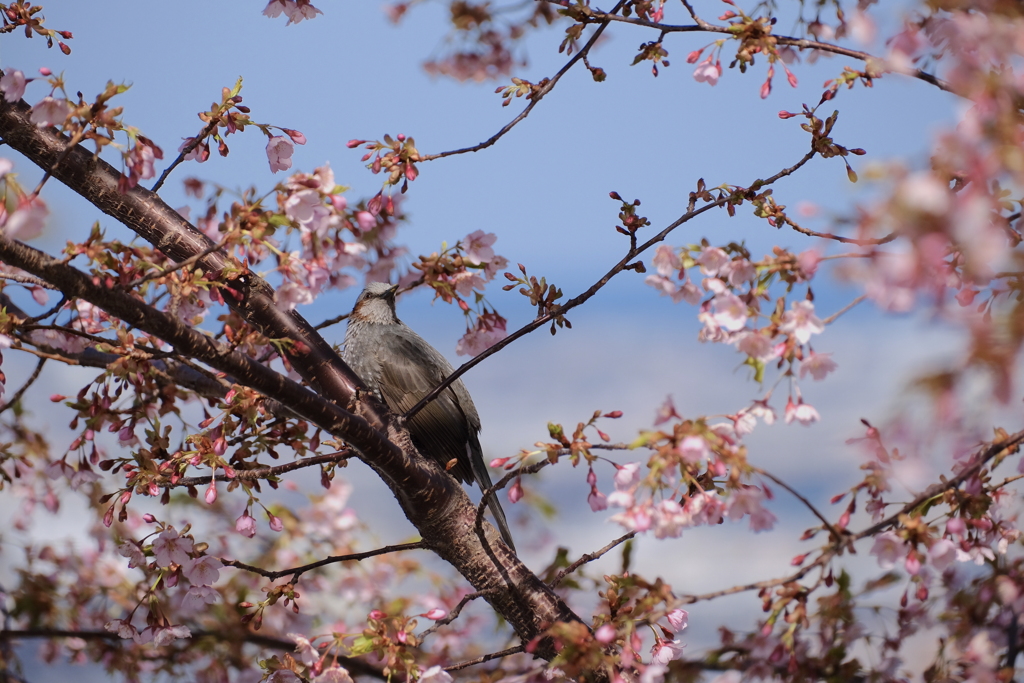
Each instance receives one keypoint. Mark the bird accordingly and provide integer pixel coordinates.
(400, 368)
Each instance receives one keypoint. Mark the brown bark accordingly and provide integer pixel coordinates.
(431, 499)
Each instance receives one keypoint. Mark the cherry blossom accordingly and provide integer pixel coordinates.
(678, 619)
(246, 525)
(713, 261)
(12, 85)
(435, 674)
(819, 365)
(667, 260)
(476, 247)
(170, 548)
(730, 313)
(202, 571)
(664, 651)
(801, 322)
(50, 111)
(708, 72)
(279, 152)
(27, 220)
(889, 548)
(307, 653)
(802, 412)
(694, 449)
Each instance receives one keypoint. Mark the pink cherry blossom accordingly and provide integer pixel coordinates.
(670, 519)
(198, 597)
(667, 260)
(597, 500)
(688, 292)
(713, 261)
(170, 548)
(756, 345)
(26, 221)
(435, 674)
(678, 619)
(665, 651)
(166, 636)
(50, 111)
(246, 525)
(476, 247)
(818, 364)
(308, 654)
(12, 85)
(136, 558)
(694, 449)
(889, 548)
(297, 10)
(802, 412)
(627, 476)
(279, 152)
(801, 322)
(730, 313)
(202, 571)
(708, 72)
(942, 554)
(605, 634)
(274, 8)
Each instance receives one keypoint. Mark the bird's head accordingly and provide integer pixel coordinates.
(376, 304)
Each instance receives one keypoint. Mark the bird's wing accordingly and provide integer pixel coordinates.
(441, 429)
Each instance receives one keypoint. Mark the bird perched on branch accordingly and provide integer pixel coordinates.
(400, 367)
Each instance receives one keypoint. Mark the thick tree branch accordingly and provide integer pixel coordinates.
(432, 500)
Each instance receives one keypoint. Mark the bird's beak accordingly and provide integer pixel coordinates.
(393, 291)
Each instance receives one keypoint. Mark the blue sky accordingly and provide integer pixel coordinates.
(544, 190)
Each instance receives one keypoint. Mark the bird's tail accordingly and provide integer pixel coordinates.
(483, 480)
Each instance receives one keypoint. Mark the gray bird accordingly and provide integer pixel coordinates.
(400, 367)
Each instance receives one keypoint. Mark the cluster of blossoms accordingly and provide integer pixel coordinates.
(737, 288)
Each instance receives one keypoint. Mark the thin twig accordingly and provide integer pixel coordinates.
(454, 614)
(296, 572)
(24, 387)
(185, 152)
(590, 557)
(832, 318)
(485, 658)
(264, 472)
(191, 260)
(802, 43)
(793, 492)
(535, 97)
(557, 311)
(869, 242)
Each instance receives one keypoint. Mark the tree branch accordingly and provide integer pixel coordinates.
(535, 97)
(556, 311)
(296, 572)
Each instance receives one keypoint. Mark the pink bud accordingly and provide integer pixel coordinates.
(211, 493)
(354, 143)
(148, 518)
(275, 522)
(297, 137)
(57, 398)
(377, 614)
(401, 137)
(435, 614)
(694, 56)
(605, 634)
(45, 71)
(515, 494)
(591, 477)
(339, 202)
(499, 462)
(786, 114)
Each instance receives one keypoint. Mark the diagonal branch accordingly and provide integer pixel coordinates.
(623, 264)
(543, 89)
